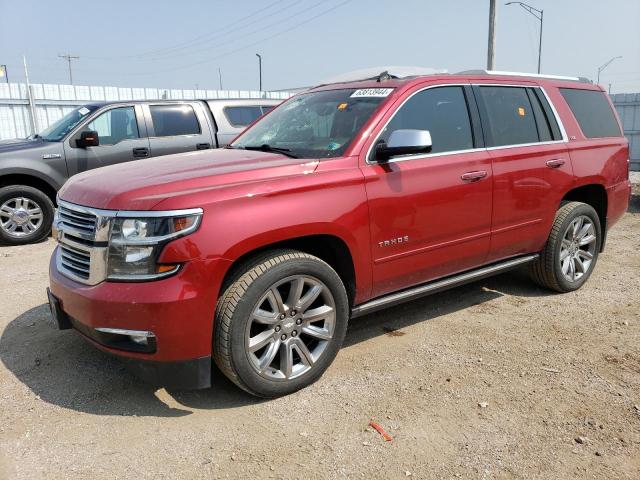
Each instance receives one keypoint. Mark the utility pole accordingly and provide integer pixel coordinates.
(32, 107)
(68, 57)
(491, 56)
(602, 67)
(260, 68)
(539, 14)
(220, 77)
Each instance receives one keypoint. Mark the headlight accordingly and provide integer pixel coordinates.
(136, 243)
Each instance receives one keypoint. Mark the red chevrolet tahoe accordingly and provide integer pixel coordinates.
(346, 199)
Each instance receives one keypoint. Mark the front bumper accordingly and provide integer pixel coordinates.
(178, 310)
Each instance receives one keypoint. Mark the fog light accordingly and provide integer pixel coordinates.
(139, 339)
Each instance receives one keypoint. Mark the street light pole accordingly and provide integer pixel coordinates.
(539, 14)
(602, 67)
(260, 68)
(491, 48)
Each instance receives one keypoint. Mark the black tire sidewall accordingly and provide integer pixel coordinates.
(257, 384)
(588, 211)
(45, 204)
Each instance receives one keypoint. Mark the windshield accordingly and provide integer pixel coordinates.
(314, 125)
(58, 130)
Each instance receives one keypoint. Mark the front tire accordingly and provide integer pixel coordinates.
(279, 326)
(26, 215)
(571, 252)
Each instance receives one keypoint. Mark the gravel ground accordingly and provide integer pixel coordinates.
(497, 379)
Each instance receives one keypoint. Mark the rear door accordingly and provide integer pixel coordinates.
(177, 127)
(122, 134)
(430, 213)
(235, 118)
(531, 165)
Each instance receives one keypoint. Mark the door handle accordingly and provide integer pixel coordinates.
(473, 176)
(555, 163)
(203, 146)
(141, 152)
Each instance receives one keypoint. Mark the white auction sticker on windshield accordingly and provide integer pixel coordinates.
(372, 92)
(83, 111)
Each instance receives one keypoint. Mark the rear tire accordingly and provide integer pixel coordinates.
(280, 324)
(571, 252)
(26, 215)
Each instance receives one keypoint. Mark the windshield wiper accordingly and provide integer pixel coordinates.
(268, 148)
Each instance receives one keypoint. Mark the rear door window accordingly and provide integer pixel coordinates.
(443, 111)
(172, 120)
(242, 116)
(593, 112)
(509, 117)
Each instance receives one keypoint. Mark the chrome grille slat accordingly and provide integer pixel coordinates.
(82, 252)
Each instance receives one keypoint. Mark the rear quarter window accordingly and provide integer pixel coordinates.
(593, 112)
(242, 116)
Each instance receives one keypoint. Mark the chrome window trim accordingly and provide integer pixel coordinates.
(470, 150)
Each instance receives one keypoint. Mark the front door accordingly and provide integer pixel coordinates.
(122, 138)
(430, 213)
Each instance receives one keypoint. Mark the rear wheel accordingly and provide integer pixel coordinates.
(280, 324)
(571, 252)
(26, 215)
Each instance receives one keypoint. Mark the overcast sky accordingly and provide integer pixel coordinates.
(182, 44)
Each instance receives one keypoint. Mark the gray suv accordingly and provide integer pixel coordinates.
(100, 134)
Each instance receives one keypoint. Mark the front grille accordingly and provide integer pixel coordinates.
(82, 235)
(76, 219)
(76, 261)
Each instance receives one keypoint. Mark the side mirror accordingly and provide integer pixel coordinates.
(88, 139)
(404, 142)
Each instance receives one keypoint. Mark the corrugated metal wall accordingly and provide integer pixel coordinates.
(628, 107)
(52, 101)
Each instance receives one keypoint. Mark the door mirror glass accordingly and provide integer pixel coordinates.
(404, 142)
(88, 138)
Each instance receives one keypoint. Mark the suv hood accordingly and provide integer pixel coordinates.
(143, 184)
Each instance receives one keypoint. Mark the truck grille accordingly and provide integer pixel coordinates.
(76, 261)
(77, 220)
(82, 237)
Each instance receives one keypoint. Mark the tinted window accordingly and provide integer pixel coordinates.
(593, 112)
(442, 111)
(115, 125)
(169, 120)
(542, 123)
(242, 116)
(510, 118)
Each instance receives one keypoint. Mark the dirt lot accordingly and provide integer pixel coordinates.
(497, 379)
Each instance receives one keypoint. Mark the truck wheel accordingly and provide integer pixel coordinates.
(26, 215)
(571, 252)
(280, 324)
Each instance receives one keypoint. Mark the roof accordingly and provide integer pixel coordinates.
(254, 101)
(388, 79)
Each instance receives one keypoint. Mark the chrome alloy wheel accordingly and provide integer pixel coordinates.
(20, 216)
(578, 248)
(290, 327)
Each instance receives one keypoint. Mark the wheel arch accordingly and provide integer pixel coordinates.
(330, 248)
(30, 180)
(595, 195)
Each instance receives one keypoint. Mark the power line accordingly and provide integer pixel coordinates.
(68, 58)
(244, 47)
(194, 41)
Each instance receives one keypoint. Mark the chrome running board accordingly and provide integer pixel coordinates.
(438, 285)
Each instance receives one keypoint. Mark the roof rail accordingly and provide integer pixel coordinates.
(524, 74)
